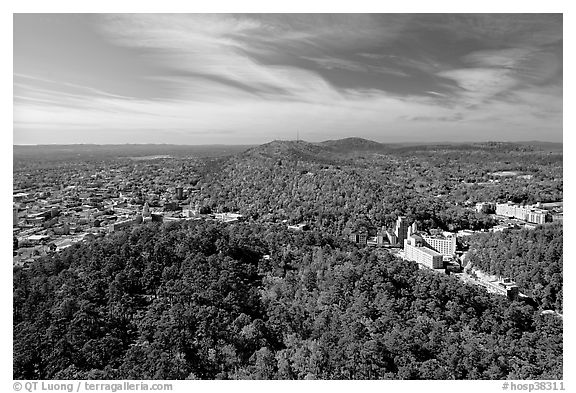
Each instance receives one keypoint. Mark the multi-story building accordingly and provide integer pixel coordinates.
(484, 207)
(380, 236)
(508, 210)
(179, 192)
(445, 244)
(401, 229)
(415, 250)
(357, 236)
(392, 239)
(233, 217)
(526, 213)
(121, 224)
(537, 216)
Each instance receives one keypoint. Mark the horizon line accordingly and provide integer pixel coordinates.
(284, 140)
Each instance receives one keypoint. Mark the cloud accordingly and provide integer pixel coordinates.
(481, 83)
(214, 46)
(330, 63)
(492, 73)
(531, 64)
(264, 76)
(435, 93)
(512, 30)
(505, 58)
(33, 83)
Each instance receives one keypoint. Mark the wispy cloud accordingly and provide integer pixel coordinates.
(354, 66)
(266, 75)
(209, 45)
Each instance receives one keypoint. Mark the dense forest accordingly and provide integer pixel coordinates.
(201, 300)
(337, 184)
(533, 258)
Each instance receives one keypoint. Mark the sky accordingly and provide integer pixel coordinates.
(247, 79)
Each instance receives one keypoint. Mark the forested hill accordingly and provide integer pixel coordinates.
(204, 300)
(533, 258)
(334, 150)
(305, 182)
(290, 151)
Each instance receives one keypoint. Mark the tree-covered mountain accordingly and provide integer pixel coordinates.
(534, 258)
(331, 189)
(290, 151)
(247, 301)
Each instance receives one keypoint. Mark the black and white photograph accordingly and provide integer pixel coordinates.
(287, 196)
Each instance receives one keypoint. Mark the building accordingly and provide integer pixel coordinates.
(500, 228)
(171, 206)
(506, 287)
(412, 230)
(363, 237)
(511, 210)
(465, 232)
(360, 237)
(401, 229)
(179, 193)
(532, 214)
(301, 227)
(229, 217)
(380, 236)
(38, 239)
(192, 211)
(485, 207)
(189, 213)
(372, 242)
(20, 196)
(121, 224)
(415, 250)
(537, 216)
(392, 239)
(558, 206)
(445, 244)
(512, 290)
(146, 210)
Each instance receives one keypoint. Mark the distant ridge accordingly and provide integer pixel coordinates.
(326, 151)
(96, 151)
(353, 144)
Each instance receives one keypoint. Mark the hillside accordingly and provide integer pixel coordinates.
(198, 301)
(353, 144)
(327, 152)
(296, 150)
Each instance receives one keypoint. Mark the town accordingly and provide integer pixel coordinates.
(57, 217)
(53, 219)
(446, 251)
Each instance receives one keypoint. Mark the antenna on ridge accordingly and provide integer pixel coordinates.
(297, 135)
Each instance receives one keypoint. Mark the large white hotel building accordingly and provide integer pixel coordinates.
(526, 213)
(445, 244)
(416, 250)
